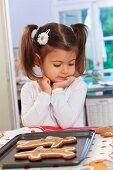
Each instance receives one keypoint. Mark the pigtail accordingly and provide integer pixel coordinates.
(80, 31)
(27, 53)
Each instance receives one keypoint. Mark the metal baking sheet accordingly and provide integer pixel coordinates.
(84, 141)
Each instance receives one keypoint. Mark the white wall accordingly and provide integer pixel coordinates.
(23, 12)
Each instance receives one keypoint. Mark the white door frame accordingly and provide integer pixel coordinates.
(9, 116)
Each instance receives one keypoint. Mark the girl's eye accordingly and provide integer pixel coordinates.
(57, 65)
(71, 64)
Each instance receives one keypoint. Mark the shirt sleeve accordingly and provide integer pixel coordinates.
(68, 110)
(34, 109)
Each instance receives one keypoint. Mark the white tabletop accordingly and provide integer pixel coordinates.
(101, 149)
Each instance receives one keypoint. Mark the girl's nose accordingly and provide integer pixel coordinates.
(64, 69)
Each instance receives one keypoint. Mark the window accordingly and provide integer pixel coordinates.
(106, 19)
(97, 15)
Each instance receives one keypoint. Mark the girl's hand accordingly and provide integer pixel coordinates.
(64, 84)
(44, 84)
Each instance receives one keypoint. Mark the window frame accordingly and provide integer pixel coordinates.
(94, 5)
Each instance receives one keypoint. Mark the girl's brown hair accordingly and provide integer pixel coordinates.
(60, 37)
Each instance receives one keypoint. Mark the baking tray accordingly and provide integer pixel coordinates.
(84, 141)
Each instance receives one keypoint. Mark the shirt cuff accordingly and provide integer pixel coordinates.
(45, 94)
(57, 90)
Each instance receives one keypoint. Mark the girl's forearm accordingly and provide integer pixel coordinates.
(67, 110)
(34, 112)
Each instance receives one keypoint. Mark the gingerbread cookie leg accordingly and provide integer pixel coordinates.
(61, 141)
(41, 152)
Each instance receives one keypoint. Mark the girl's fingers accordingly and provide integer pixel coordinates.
(71, 79)
(46, 79)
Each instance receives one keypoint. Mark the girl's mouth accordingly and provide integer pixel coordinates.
(62, 78)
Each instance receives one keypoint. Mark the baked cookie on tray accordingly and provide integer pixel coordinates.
(49, 141)
(41, 152)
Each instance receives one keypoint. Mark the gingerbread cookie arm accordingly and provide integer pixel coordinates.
(107, 134)
(101, 130)
(41, 152)
(31, 144)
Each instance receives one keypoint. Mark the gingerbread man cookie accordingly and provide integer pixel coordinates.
(100, 165)
(105, 131)
(41, 152)
(52, 141)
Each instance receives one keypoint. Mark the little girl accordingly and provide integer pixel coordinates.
(56, 98)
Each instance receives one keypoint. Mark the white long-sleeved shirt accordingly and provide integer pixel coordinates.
(63, 108)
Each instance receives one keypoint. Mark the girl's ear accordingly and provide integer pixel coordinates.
(38, 60)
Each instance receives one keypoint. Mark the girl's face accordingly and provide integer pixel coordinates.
(59, 64)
